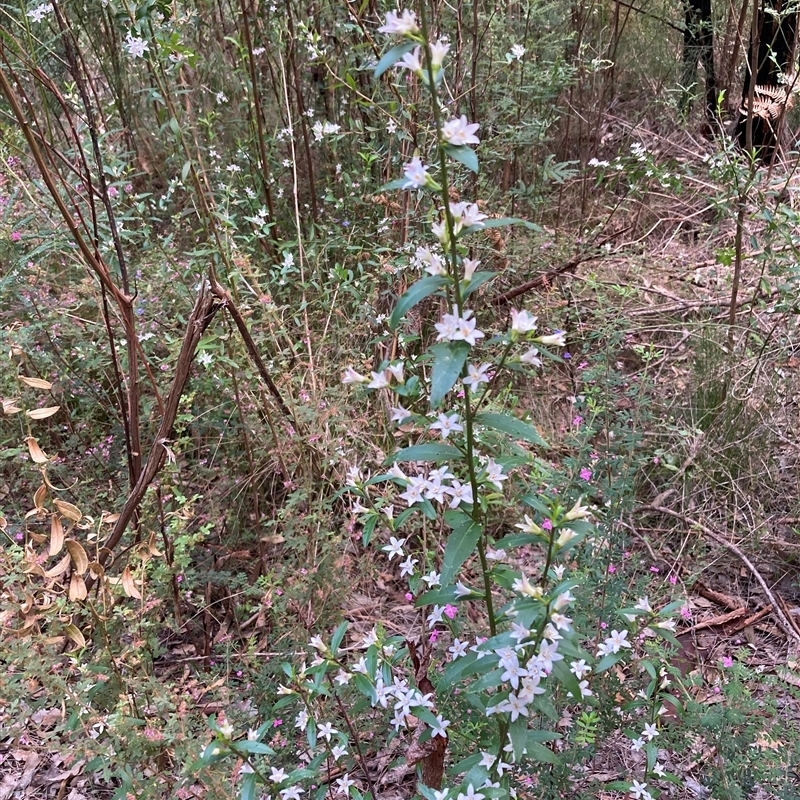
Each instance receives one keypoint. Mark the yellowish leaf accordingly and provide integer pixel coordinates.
(77, 587)
(56, 535)
(129, 585)
(38, 455)
(40, 497)
(75, 634)
(108, 519)
(78, 554)
(42, 413)
(58, 569)
(96, 569)
(36, 383)
(68, 510)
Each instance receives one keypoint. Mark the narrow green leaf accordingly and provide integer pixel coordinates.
(427, 452)
(518, 733)
(461, 543)
(185, 170)
(415, 294)
(502, 222)
(515, 428)
(449, 360)
(391, 57)
(369, 528)
(464, 155)
(337, 637)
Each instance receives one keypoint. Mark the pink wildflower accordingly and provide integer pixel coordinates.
(450, 611)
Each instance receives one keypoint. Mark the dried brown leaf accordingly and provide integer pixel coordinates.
(42, 413)
(129, 585)
(10, 407)
(40, 497)
(38, 456)
(77, 587)
(78, 555)
(74, 633)
(68, 510)
(36, 383)
(58, 569)
(56, 535)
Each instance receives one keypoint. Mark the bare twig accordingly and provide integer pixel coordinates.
(783, 618)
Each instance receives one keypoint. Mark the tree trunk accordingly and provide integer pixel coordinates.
(698, 45)
(770, 60)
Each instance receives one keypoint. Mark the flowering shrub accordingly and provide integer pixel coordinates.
(471, 471)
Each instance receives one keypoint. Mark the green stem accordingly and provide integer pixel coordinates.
(452, 254)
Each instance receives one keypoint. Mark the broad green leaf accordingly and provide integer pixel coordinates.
(464, 155)
(427, 452)
(462, 668)
(397, 183)
(607, 662)
(437, 597)
(478, 279)
(449, 360)
(415, 293)
(256, 748)
(461, 543)
(391, 57)
(538, 752)
(515, 428)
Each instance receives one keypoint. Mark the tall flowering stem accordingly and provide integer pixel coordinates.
(456, 285)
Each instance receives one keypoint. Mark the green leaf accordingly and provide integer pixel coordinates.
(338, 635)
(391, 57)
(369, 528)
(254, 748)
(518, 733)
(461, 543)
(415, 294)
(464, 155)
(607, 662)
(397, 183)
(478, 279)
(248, 787)
(515, 428)
(437, 597)
(427, 452)
(538, 752)
(502, 222)
(449, 360)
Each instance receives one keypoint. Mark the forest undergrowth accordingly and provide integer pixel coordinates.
(397, 403)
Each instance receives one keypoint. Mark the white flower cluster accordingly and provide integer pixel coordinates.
(40, 12)
(323, 129)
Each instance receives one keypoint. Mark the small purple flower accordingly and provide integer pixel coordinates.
(654, 568)
(450, 611)
(673, 578)
(567, 356)
(409, 597)
(547, 525)
(612, 568)
(727, 661)
(15, 236)
(586, 474)
(577, 420)
(434, 636)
